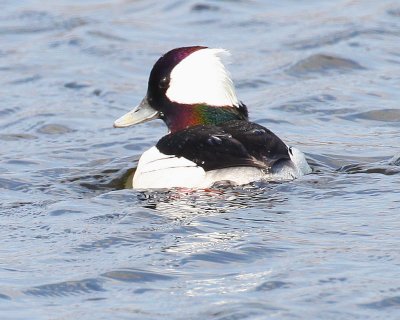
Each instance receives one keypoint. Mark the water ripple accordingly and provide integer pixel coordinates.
(136, 276)
(339, 36)
(322, 63)
(384, 115)
(67, 288)
(28, 22)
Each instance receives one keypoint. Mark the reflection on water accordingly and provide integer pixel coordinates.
(181, 202)
(323, 76)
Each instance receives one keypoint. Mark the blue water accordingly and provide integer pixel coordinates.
(77, 244)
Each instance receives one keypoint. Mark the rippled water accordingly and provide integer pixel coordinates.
(75, 243)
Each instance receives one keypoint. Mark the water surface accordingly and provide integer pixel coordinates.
(75, 243)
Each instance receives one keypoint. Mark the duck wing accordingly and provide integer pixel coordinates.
(260, 142)
(232, 144)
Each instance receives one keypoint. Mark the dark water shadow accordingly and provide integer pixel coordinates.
(323, 64)
(390, 302)
(136, 276)
(388, 116)
(94, 180)
(381, 168)
(328, 163)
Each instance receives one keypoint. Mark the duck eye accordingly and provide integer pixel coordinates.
(163, 83)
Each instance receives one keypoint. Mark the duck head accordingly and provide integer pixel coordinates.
(188, 86)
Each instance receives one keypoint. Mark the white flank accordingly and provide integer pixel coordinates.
(202, 78)
(157, 170)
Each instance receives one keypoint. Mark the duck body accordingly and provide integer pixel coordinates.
(210, 138)
(236, 151)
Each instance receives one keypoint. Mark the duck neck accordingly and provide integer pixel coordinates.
(182, 116)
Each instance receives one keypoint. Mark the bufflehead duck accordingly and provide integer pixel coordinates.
(210, 138)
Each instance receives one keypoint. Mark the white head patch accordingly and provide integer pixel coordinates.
(202, 78)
